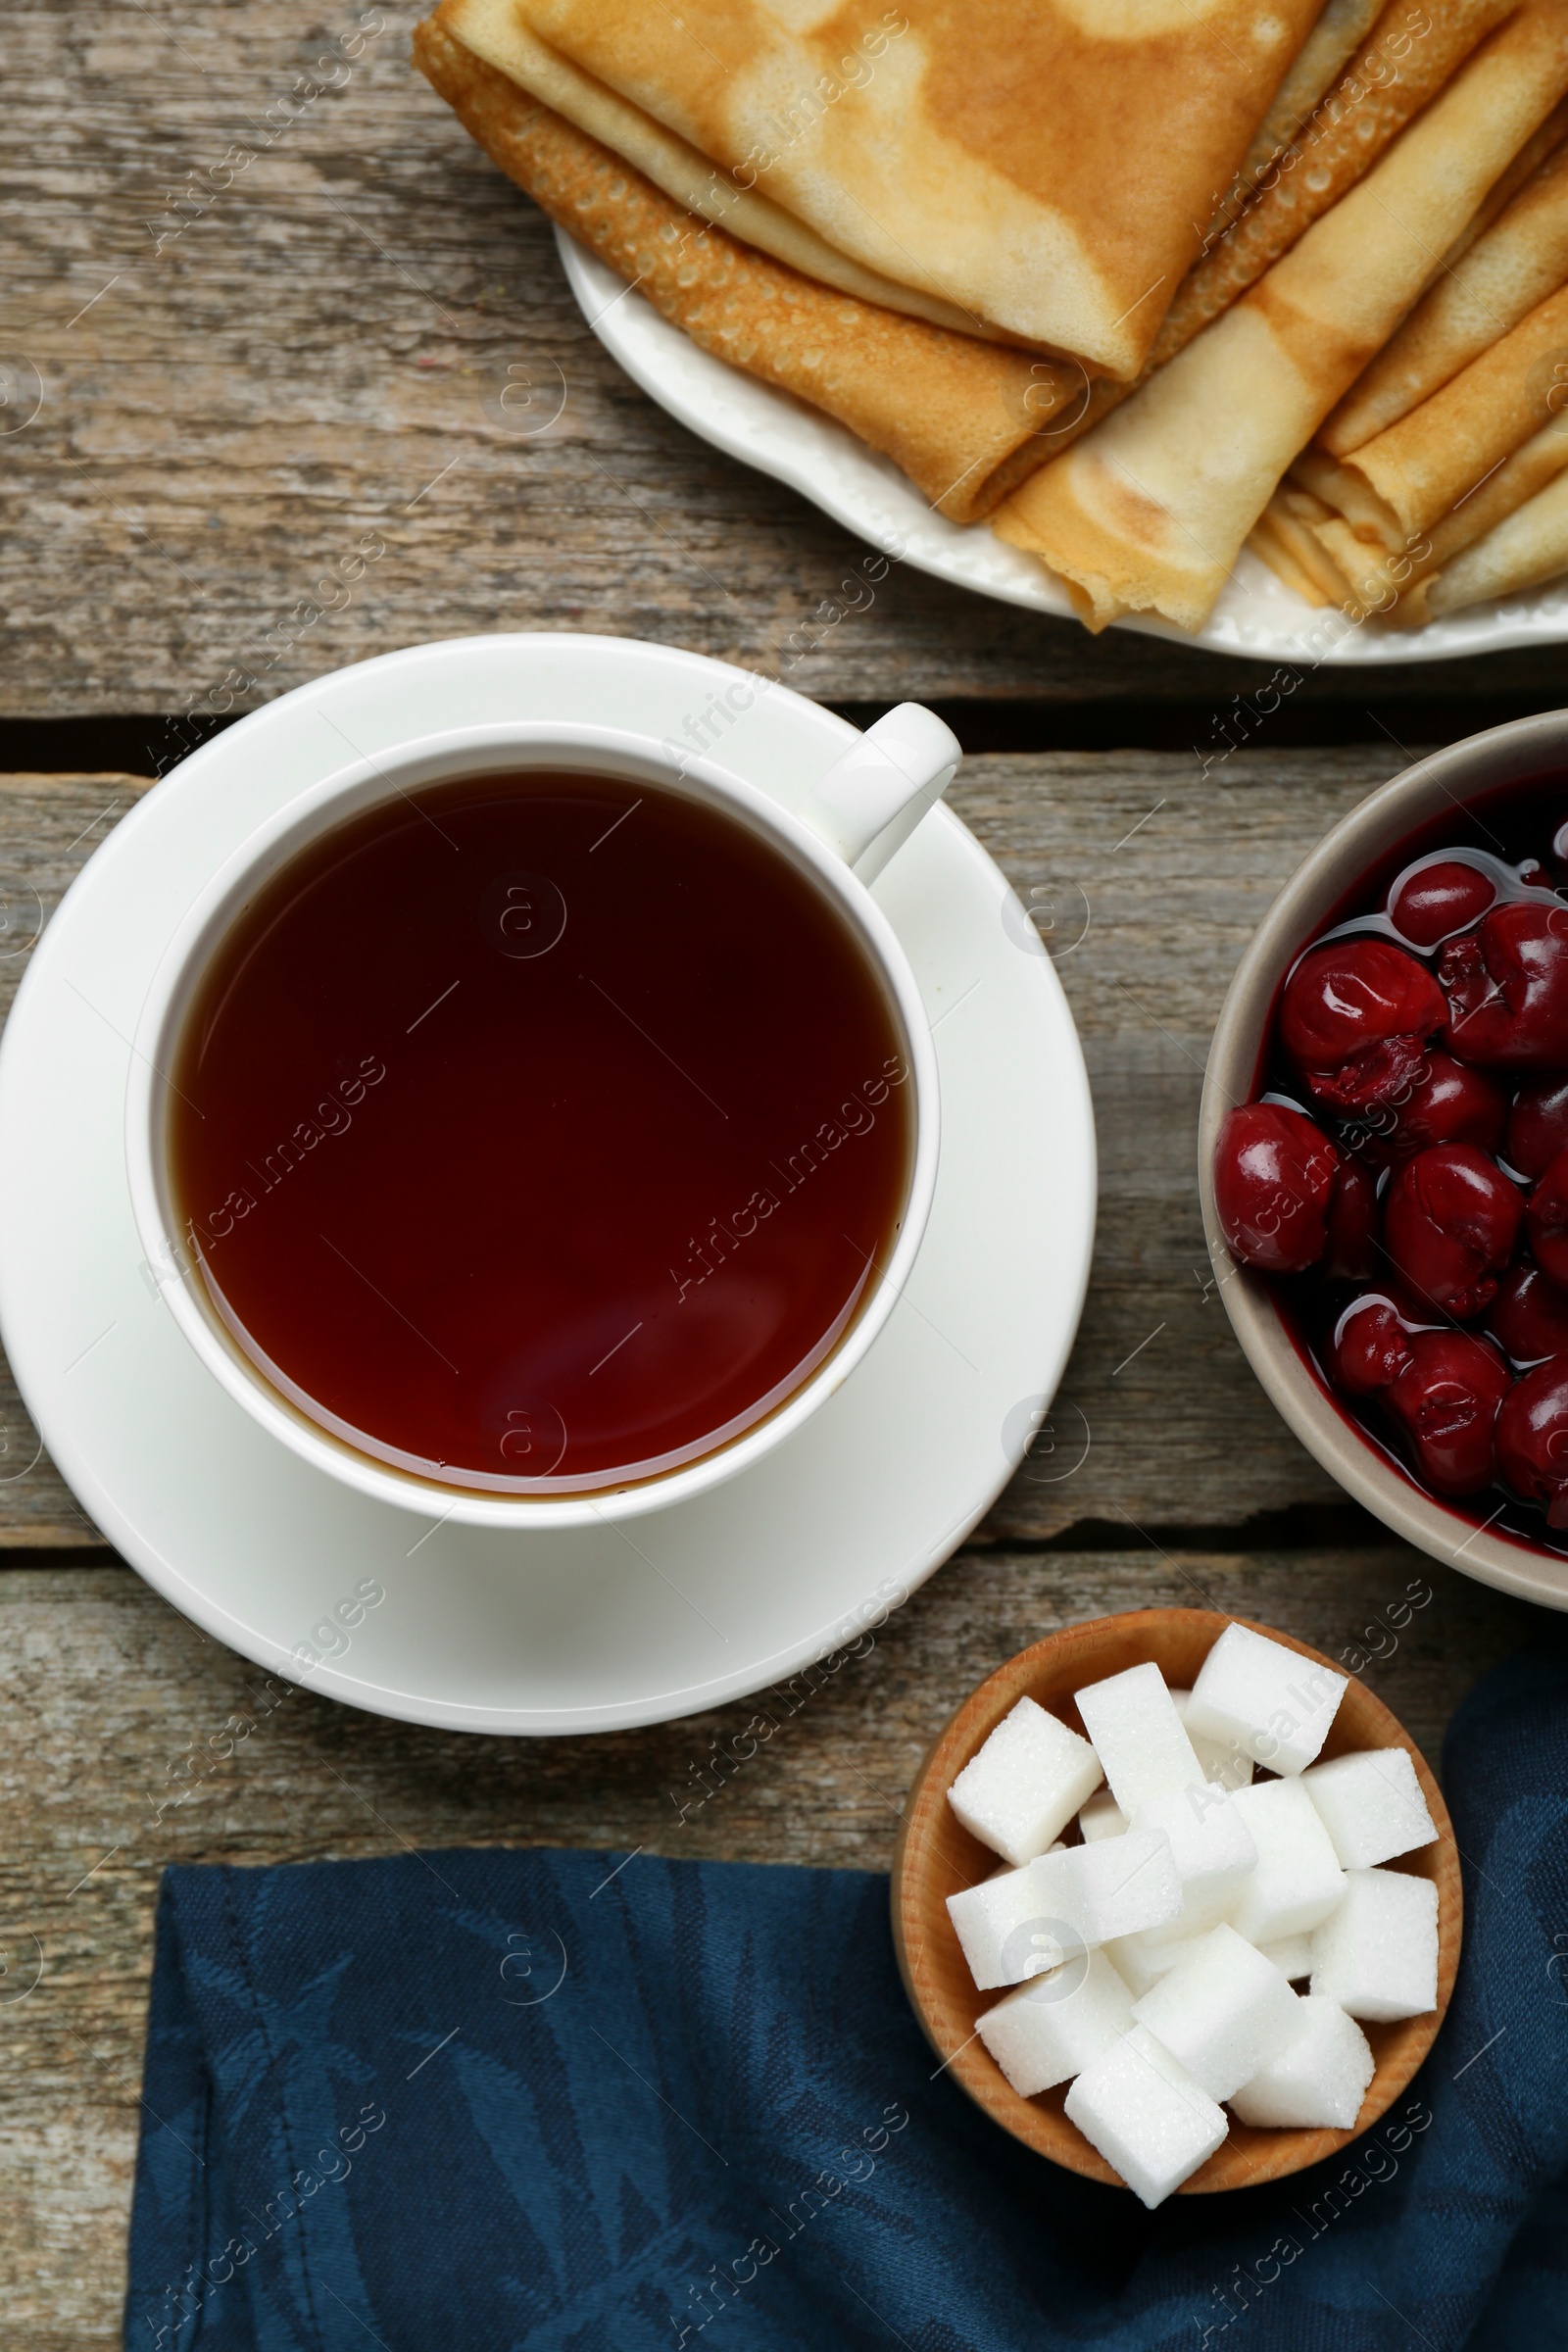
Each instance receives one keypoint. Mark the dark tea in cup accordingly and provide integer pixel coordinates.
(540, 1131)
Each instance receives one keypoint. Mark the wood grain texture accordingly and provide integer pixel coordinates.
(249, 368)
(114, 1702)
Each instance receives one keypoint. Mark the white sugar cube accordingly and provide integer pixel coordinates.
(1144, 2113)
(1142, 1960)
(1002, 1929)
(1291, 1956)
(1003, 1868)
(1255, 1694)
(1378, 1955)
(1025, 1784)
(1298, 1879)
(1102, 1817)
(1019, 1923)
(1372, 1805)
(1227, 1766)
(1213, 1849)
(1224, 2013)
(1319, 2078)
(1138, 1736)
(1112, 1888)
(1049, 2030)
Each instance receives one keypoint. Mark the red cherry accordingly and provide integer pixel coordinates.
(1273, 1179)
(1446, 1104)
(1532, 1440)
(1354, 1018)
(1508, 988)
(1537, 1126)
(1528, 1316)
(1450, 1224)
(1371, 1347)
(1546, 1219)
(1439, 897)
(1350, 1251)
(1446, 1400)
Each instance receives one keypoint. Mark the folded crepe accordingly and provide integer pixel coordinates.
(498, 31)
(1423, 465)
(1316, 550)
(1043, 164)
(965, 420)
(1317, 65)
(1151, 511)
(1409, 54)
(1526, 164)
(1531, 546)
(1515, 264)
(1284, 535)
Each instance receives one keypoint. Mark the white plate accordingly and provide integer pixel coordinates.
(584, 1630)
(1256, 615)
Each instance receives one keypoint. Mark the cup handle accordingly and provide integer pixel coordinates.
(871, 799)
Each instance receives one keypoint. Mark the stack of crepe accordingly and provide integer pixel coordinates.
(1441, 478)
(1098, 270)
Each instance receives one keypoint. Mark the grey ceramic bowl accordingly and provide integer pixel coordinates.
(1449, 780)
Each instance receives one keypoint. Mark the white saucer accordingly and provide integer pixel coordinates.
(581, 1630)
(1256, 615)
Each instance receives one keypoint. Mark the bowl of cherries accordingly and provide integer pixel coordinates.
(1383, 1156)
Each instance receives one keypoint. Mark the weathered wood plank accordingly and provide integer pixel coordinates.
(49, 827)
(1152, 880)
(1147, 881)
(250, 369)
(111, 1695)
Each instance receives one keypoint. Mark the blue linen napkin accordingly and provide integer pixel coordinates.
(481, 2100)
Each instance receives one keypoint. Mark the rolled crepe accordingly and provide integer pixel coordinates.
(1047, 165)
(963, 418)
(1366, 576)
(1424, 465)
(1409, 54)
(1317, 63)
(497, 31)
(1315, 67)
(1529, 546)
(1520, 261)
(1526, 164)
(1351, 495)
(1151, 511)
(1283, 535)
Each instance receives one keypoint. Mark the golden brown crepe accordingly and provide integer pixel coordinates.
(1350, 495)
(1424, 465)
(1317, 65)
(1531, 546)
(1526, 164)
(1047, 165)
(1321, 63)
(1520, 259)
(1151, 508)
(1284, 536)
(1411, 54)
(497, 31)
(1366, 575)
(963, 418)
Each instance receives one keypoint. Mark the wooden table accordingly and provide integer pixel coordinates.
(232, 402)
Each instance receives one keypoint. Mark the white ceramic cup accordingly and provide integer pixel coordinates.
(853, 822)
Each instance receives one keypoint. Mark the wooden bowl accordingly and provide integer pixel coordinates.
(937, 1856)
